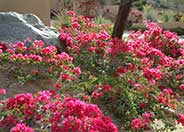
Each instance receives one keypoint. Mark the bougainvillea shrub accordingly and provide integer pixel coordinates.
(47, 111)
(137, 79)
(37, 62)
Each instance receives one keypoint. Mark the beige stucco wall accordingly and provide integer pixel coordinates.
(56, 5)
(39, 7)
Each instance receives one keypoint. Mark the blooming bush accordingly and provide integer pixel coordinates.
(144, 73)
(46, 111)
(37, 61)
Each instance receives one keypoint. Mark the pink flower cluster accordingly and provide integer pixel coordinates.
(65, 115)
(166, 41)
(2, 91)
(142, 122)
(167, 98)
(21, 127)
(152, 73)
(100, 90)
(19, 47)
(79, 116)
(180, 119)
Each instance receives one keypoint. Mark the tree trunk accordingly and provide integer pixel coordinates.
(121, 19)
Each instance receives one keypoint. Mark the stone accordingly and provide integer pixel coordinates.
(16, 27)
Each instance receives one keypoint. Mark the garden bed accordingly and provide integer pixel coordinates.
(138, 80)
